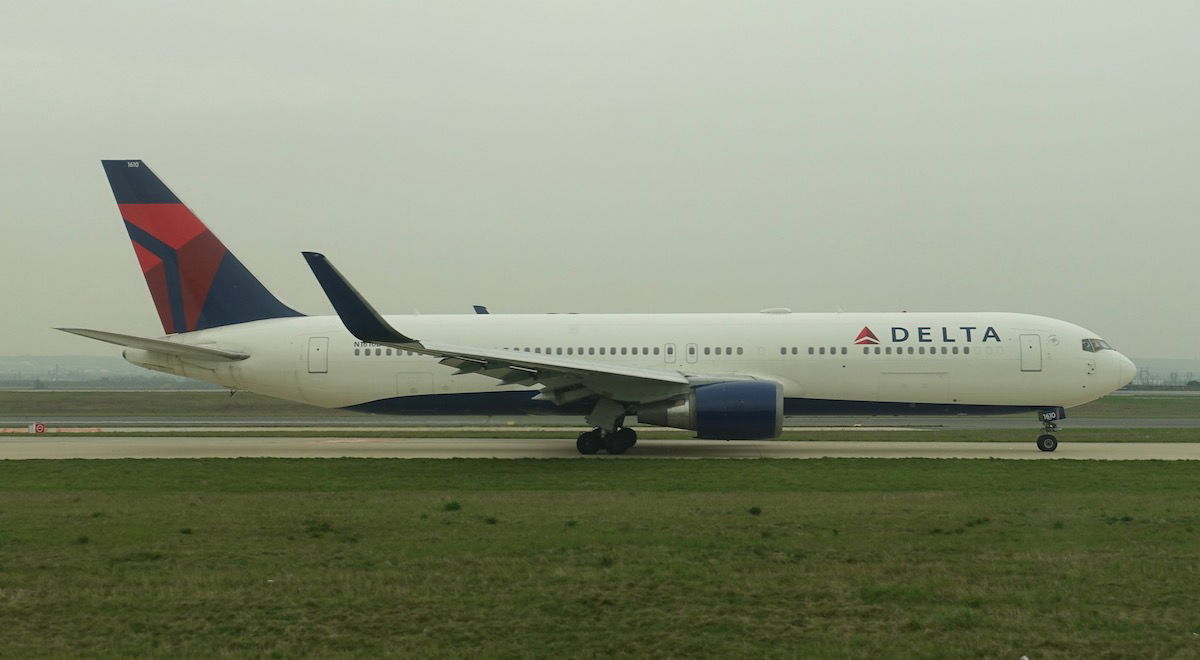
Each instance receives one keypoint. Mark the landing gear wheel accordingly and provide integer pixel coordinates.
(589, 442)
(619, 441)
(1047, 442)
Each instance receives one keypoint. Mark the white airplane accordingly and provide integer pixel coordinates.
(725, 376)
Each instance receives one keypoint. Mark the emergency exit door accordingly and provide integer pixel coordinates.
(1031, 353)
(318, 355)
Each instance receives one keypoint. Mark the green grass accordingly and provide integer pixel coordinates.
(1177, 407)
(249, 405)
(841, 558)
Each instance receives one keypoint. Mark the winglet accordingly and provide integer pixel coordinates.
(359, 317)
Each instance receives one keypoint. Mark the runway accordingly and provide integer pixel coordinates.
(385, 422)
(50, 447)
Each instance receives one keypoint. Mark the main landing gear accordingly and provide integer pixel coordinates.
(616, 442)
(609, 435)
(1046, 441)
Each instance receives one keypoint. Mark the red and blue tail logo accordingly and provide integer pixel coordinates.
(195, 281)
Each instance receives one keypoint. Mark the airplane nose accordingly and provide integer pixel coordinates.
(1128, 371)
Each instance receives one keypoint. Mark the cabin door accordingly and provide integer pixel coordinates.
(318, 355)
(1031, 353)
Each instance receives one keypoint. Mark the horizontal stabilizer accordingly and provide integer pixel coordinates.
(158, 345)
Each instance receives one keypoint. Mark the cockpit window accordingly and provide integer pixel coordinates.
(1096, 345)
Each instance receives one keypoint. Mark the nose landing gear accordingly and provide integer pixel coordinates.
(1046, 441)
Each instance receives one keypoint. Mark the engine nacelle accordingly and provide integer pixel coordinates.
(734, 410)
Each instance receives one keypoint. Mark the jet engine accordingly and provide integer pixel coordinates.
(731, 410)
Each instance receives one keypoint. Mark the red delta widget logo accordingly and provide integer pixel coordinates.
(930, 334)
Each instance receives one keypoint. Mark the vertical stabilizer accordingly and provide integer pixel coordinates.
(195, 281)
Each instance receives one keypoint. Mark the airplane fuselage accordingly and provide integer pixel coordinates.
(886, 363)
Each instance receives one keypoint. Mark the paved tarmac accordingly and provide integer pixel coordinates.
(51, 447)
(383, 422)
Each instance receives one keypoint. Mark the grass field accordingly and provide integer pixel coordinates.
(250, 405)
(840, 558)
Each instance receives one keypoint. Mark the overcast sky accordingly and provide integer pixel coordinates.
(1041, 157)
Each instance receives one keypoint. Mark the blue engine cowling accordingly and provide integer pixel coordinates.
(732, 410)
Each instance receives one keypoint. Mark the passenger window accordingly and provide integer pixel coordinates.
(623, 349)
(656, 350)
(670, 350)
(537, 349)
(570, 351)
(810, 350)
(954, 350)
(389, 352)
(910, 350)
(591, 350)
(866, 350)
(876, 350)
(843, 350)
(707, 350)
(646, 350)
(795, 350)
(739, 350)
(966, 350)
(601, 350)
(943, 350)
(822, 350)
(356, 351)
(783, 350)
(921, 350)
(691, 350)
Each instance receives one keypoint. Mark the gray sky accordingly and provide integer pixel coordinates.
(618, 157)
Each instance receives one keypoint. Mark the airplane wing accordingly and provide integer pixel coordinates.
(159, 345)
(563, 380)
